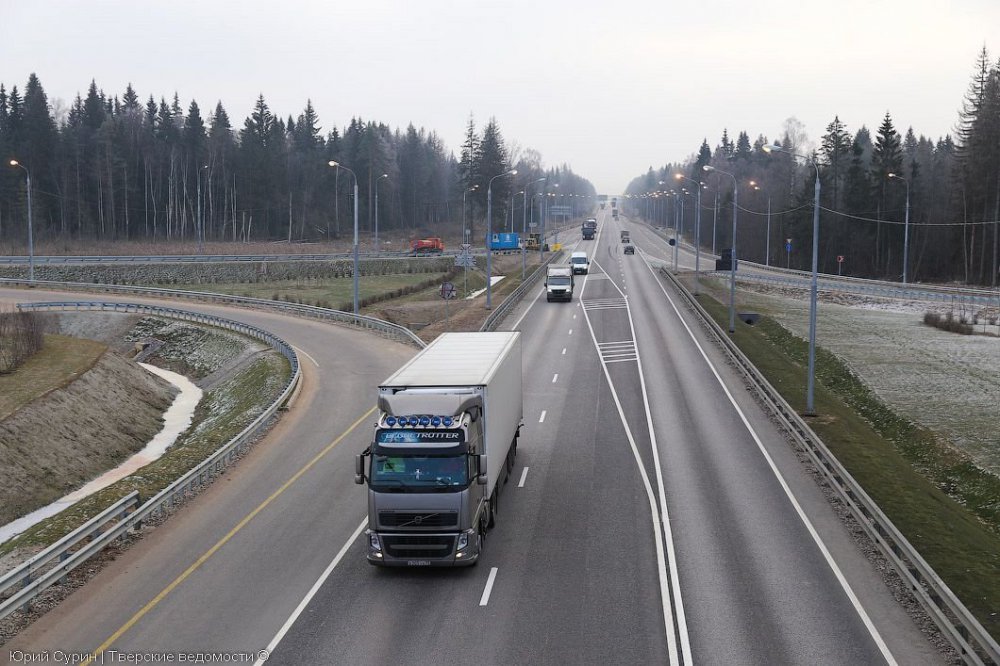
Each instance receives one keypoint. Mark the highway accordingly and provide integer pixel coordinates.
(655, 515)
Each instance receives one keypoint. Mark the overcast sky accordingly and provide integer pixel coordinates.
(607, 87)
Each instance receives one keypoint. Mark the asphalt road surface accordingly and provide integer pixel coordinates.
(654, 515)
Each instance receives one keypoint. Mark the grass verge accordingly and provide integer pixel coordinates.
(61, 360)
(223, 412)
(322, 292)
(945, 506)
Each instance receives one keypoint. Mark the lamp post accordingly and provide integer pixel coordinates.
(697, 230)
(906, 225)
(489, 236)
(201, 215)
(524, 227)
(377, 246)
(767, 240)
(732, 260)
(465, 234)
(338, 165)
(31, 243)
(811, 377)
(465, 231)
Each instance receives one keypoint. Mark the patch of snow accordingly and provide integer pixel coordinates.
(493, 280)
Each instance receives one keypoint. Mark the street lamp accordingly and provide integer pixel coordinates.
(31, 243)
(489, 235)
(732, 258)
(811, 377)
(906, 225)
(767, 243)
(338, 165)
(524, 226)
(377, 246)
(201, 214)
(697, 231)
(465, 231)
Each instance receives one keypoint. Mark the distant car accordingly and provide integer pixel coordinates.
(630, 249)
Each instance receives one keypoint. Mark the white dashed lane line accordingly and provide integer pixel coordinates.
(485, 599)
(524, 475)
(541, 419)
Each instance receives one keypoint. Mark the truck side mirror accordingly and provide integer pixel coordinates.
(359, 469)
(481, 477)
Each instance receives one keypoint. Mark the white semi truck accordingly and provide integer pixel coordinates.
(444, 445)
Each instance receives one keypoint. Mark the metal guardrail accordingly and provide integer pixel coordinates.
(27, 573)
(877, 288)
(166, 498)
(515, 296)
(337, 316)
(969, 638)
(58, 260)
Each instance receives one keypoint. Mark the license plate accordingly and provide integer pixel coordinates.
(418, 563)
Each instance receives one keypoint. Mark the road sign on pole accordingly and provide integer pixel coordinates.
(447, 291)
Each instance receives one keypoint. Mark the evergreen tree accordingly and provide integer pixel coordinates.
(836, 152)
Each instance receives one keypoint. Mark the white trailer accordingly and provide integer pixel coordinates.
(444, 445)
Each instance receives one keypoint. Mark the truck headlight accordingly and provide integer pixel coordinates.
(463, 541)
(373, 540)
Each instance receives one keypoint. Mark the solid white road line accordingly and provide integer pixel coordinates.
(485, 599)
(541, 419)
(658, 536)
(527, 309)
(524, 475)
(555, 377)
(844, 584)
(312, 592)
(306, 354)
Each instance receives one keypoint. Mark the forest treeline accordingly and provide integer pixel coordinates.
(117, 168)
(953, 182)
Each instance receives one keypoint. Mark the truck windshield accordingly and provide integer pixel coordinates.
(559, 281)
(579, 260)
(419, 473)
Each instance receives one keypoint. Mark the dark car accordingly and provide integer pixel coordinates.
(630, 249)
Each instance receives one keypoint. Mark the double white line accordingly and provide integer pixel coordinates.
(674, 626)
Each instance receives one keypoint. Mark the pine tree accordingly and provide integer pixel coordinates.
(835, 151)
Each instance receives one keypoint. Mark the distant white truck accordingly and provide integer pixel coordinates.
(580, 263)
(559, 283)
(444, 445)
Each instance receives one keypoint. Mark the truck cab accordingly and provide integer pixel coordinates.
(580, 263)
(559, 283)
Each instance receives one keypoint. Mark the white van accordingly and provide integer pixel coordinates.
(579, 262)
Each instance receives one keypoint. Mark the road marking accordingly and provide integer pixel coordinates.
(224, 540)
(485, 599)
(659, 519)
(523, 314)
(306, 354)
(574, 316)
(555, 377)
(571, 331)
(564, 351)
(541, 419)
(312, 592)
(524, 475)
(844, 584)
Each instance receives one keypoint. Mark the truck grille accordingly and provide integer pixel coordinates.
(418, 546)
(413, 519)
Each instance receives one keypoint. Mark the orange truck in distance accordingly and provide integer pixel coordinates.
(426, 246)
